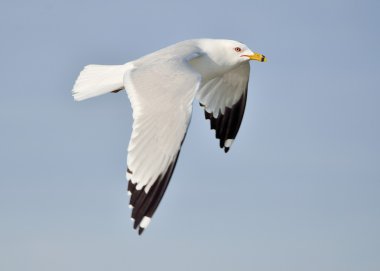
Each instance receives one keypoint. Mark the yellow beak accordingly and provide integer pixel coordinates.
(257, 57)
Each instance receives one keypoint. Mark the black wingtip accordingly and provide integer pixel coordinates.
(227, 124)
(141, 230)
(145, 203)
(135, 224)
(221, 143)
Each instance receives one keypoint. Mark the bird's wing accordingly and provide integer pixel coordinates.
(223, 99)
(161, 95)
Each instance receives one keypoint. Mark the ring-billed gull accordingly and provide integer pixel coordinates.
(161, 87)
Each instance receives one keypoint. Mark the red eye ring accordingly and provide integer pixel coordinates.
(237, 49)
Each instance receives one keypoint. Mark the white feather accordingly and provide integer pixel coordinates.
(95, 80)
(145, 222)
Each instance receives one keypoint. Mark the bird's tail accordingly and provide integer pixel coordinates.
(95, 80)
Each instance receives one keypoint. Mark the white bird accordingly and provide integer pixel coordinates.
(161, 87)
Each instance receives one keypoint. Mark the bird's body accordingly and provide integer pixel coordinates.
(161, 87)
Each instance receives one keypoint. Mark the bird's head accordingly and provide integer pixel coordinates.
(230, 52)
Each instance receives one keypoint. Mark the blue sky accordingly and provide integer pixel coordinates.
(299, 189)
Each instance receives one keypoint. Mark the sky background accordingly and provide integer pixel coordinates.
(299, 189)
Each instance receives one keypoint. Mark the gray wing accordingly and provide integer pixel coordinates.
(224, 99)
(161, 95)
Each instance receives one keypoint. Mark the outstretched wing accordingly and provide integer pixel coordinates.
(223, 99)
(161, 96)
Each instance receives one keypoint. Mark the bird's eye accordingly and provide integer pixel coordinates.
(237, 49)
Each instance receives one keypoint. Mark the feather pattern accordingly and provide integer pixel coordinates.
(161, 116)
(223, 99)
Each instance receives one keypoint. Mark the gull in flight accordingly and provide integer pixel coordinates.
(161, 87)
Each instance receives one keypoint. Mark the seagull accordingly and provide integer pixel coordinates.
(161, 87)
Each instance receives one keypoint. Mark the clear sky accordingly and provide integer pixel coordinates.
(299, 189)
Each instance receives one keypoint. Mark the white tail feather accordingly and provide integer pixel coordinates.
(95, 80)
